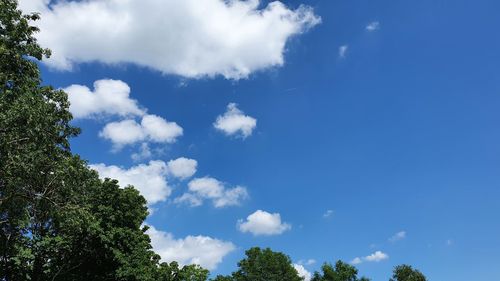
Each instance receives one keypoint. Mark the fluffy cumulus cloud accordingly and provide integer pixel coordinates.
(182, 168)
(152, 128)
(191, 38)
(150, 179)
(398, 236)
(208, 188)
(303, 272)
(235, 123)
(205, 251)
(263, 223)
(109, 97)
(378, 256)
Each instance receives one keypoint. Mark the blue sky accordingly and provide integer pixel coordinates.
(399, 134)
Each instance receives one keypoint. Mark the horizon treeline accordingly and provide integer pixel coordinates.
(58, 220)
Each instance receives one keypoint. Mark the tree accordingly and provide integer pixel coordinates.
(172, 272)
(341, 272)
(58, 220)
(407, 273)
(264, 265)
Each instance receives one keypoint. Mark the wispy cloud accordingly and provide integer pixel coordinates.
(328, 214)
(343, 51)
(398, 236)
(372, 26)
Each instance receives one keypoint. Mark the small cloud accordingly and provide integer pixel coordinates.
(307, 262)
(263, 223)
(356, 261)
(208, 188)
(449, 242)
(304, 273)
(398, 236)
(378, 256)
(182, 168)
(109, 98)
(343, 51)
(372, 26)
(235, 123)
(151, 129)
(328, 214)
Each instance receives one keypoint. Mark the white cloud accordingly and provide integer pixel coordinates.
(372, 26)
(263, 223)
(235, 122)
(150, 179)
(191, 38)
(307, 262)
(110, 97)
(356, 261)
(143, 153)
(343, 51)
(398, 236)
(182, 168)
(212, 189)
(205, 251)
(303, 272)
(152, 128)
(378, 256)
(328, 214)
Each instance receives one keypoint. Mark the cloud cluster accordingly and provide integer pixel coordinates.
(235, 123)
(112, 98)
(109, 97)
(152, 128)
(205, 251)
(191, 38)
(150, 179)
(378, 256)
(208, 188)
(263, 223)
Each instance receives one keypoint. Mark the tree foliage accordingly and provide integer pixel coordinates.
(340, 272)
(263, 265)
(407, 273)
(58, 220)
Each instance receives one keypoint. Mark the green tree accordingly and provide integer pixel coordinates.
(407, 273)
(341, 272)
(58, 220)
(263, 265)
(172, 272)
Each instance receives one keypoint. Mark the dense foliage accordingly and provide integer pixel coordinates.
(263, 265)
(58, 220)
(341, 272)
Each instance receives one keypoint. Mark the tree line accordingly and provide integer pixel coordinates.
(58, 220)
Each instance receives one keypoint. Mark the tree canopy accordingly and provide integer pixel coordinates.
(264, 265)
(340, 272)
